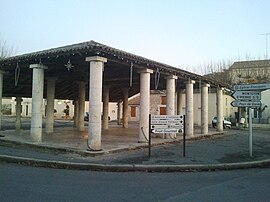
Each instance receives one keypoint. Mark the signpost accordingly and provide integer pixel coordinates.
(250, 87)
(166, 124)
(246, 103)
(246, 95)
(249, 95)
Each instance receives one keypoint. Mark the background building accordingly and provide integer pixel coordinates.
(257, 71)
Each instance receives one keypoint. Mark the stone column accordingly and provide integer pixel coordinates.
(76, 114)
(95, 98)
(81, 106)
(180, 101)
(37, 101)
(204, 108)
(220, 109)
(119, 112)
(170, 95)
(106, 97)
(144, 104)
(189, 108)
(1, 94)
(125, 107)
(18, 122)
(50, 105)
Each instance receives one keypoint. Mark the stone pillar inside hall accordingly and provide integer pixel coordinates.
(144, 104)
(1, 94)
(204, 108)
(180, 101)
(125, 107)
(220, 109)
(37, 101)
(106, 97)
(189, 122)
(81, 106)
(76, 110)
(95, 99)
(18, 121)
(50, 105)
(119, 112)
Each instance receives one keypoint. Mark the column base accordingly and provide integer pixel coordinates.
(142, 141)
(93, 150)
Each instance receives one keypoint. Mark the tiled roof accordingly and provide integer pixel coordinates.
(251, 64)
(94, 48)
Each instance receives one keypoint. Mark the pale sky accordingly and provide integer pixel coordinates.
(184, 34)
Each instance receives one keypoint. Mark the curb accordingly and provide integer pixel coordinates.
(99, 153)
(132, 167)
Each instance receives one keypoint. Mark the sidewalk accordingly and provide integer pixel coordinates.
(215, 152)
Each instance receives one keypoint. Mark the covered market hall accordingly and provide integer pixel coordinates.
(100, 74)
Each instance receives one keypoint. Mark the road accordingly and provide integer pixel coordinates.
(20, 183)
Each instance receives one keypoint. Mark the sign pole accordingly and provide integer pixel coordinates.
(250, 132)
(184, 137)
(149, 138)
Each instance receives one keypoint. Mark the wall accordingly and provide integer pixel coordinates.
(59, 106)
(228, 110)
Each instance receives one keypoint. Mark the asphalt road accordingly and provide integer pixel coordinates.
(19, 183)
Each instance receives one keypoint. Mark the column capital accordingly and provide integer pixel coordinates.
(171, 77)
(106, 86)
(51, 78)
(81, 82)
(190, 82)
(145, 70)
(95, 59)
(220, 88)
(206, 85)
(38, 66)
(125, 89)
(2, 72)
(181, 90)
(20, 99)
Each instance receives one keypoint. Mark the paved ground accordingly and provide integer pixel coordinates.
(120, 146)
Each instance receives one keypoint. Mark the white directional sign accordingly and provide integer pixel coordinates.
(247, 95)
(258, 86)
(168, 130)
(167, 123)
(240, 103)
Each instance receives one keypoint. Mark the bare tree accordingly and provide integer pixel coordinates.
(5, 50)
(217, 70)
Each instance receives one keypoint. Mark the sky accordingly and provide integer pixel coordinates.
(183, 33)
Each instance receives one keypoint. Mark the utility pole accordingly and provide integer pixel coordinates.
(266, 44)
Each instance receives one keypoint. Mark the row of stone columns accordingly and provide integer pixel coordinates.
(95, 100)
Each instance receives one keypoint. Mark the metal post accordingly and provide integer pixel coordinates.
(184, 137)
(149, 138)
(250, 132)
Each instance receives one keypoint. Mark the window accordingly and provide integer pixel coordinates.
(133, 111)
(163, 100)
(162, 111)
